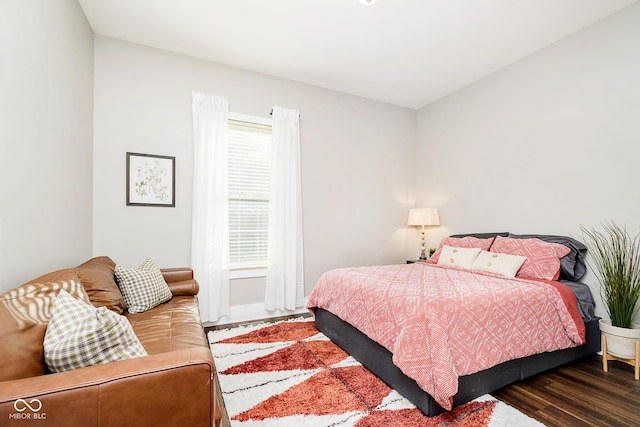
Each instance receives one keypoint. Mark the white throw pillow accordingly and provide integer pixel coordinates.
(80, 335)
(458, 257)
(144, 288)
(503, 264)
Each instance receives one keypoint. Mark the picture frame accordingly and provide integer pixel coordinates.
(151, 180)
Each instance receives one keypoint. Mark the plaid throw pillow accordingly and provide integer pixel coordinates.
(80, 335)
(144, 288)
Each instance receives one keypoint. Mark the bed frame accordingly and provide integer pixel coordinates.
(378, 360)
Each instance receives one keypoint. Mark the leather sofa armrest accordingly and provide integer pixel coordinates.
(181, 281)
(184, 288)
(177, 274)
(173, 388)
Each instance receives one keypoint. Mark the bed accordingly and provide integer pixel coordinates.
(430, 330)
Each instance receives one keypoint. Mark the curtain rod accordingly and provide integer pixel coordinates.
(271, 113)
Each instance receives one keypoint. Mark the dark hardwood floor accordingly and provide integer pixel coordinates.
(578, 394)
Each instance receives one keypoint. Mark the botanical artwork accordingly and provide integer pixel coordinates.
(150, 180)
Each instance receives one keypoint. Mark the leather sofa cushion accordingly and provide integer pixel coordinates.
(24, 314)
(98, 279)
(174, 325)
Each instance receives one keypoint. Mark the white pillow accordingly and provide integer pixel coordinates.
(503, 264)
(80, 335)
(144, 288)
(458, 257)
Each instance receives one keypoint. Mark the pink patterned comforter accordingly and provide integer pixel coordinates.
(441, 322)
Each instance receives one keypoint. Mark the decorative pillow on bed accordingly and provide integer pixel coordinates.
(543, 259)
(502, 264)
(464, 242)
(80, 335)
(144, 288)
(458, 257)
(572, 266)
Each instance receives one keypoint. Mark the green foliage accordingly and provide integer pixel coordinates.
(615, 260)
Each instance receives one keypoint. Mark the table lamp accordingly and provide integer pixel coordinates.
(423, 217)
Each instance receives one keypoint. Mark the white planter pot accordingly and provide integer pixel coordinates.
(621, 342)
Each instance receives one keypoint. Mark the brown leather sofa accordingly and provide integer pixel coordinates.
(174, 385)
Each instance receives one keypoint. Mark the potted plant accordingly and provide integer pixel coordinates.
(615, 261)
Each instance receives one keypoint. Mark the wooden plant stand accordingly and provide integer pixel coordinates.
(633, 362)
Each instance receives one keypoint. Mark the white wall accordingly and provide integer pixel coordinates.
(543, 146)
(46, 96)
(355, 168)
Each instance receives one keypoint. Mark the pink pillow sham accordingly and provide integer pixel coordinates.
(543, 258)
(461, 242)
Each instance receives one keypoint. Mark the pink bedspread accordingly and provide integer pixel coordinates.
(442, 322)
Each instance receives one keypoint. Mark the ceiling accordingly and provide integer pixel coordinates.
(404, 52)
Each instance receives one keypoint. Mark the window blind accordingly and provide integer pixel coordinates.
(249, 174)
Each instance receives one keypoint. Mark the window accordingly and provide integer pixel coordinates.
(249, 174)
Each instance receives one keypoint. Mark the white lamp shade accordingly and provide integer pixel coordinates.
(423, 216)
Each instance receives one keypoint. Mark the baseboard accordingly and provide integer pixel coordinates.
(252, 312)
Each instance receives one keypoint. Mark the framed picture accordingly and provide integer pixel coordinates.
(151, 180)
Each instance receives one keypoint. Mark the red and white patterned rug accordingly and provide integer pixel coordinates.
(288, 374)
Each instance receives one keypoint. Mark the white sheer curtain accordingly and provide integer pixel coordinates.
(285, 273)
(209, 239)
